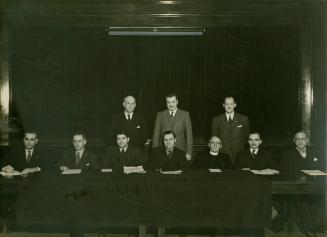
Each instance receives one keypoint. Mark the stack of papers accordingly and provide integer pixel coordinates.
(71, 171)
(14, 173)
(314, 172)
(133, 169)
(265, 172)
(172, 172)
(106, 170)
(215, 170)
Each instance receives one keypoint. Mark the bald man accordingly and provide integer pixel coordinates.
(133, 123)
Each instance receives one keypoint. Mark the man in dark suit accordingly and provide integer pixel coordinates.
(169, 157)
(27, 159)
(176, 120)
(231, 127)
(254, 157)
(123, 154)
(306, 210)
(78, 157)
(212, 157)
(130, 121)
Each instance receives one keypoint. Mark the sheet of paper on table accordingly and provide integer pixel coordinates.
(314, 172)
(106, 170)
(133, 169)
(172, 172)
(72, 171)
(265, 172)
(14, 173)
(215, 170)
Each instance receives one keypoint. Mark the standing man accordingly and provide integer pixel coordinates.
(254, 157)
(176, 120)
(78, 157)
(122, 154)
(231, 127)
(26, 159)
(133, 123)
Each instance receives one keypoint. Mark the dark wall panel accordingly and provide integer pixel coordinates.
(63, 78)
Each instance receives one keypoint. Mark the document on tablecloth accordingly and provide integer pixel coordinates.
(133, 169)
(72, 171)
(106, 170)
(215, 170)
(314, 172)
(172, 172)
(265, 172)
(14, 173)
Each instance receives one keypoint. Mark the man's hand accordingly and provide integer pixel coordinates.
(188, 157)
(8, 169)
(62, 168)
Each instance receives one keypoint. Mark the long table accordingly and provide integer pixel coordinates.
(93, 201)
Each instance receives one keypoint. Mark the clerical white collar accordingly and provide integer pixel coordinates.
(214, 153)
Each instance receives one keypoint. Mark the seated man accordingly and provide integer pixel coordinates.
(123, 154)
(26, 159)
(78, 157)
(306, 210)
(168, 157)
(212, 157)
(253, 157)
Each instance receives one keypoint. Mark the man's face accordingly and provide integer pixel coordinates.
(172, 103)
(129, 104)
(215, 144)
(301, 140)
(79, 142)
(30, 140)
(254, 141)
(122, 140)
(169, 141)
(229, 105)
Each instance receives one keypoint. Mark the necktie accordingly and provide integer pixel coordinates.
(128, 117)
(169, 154)
(29, 156)
(230, 119)
(77, 158)
(253, 154)
(122, 150)
(171, 114)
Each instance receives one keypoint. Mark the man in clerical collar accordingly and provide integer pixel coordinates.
(168, 157)
(254, 157)
(212, 158)
(79, 156)
(26, 160)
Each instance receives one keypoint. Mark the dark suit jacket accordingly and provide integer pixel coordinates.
(18, 159)
(262, 160)
(233, 135)
(159, 160)
(206, 161)
(88, 157)
(136, 129)
(114, 159)
(293, 161)
(180, 124)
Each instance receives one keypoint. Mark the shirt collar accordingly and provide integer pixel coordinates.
(230, 115)
(255, 150)
(130, 114)
(80, 152)
(174, 111)
(214, 153)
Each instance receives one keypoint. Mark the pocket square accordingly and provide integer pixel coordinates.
(239, 126)
(138, 126)
(315, 159)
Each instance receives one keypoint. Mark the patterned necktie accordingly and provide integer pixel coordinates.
(253, 154)
(77, 158)
(29, 156)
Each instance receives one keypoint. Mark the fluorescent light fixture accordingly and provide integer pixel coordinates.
(155, 31)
